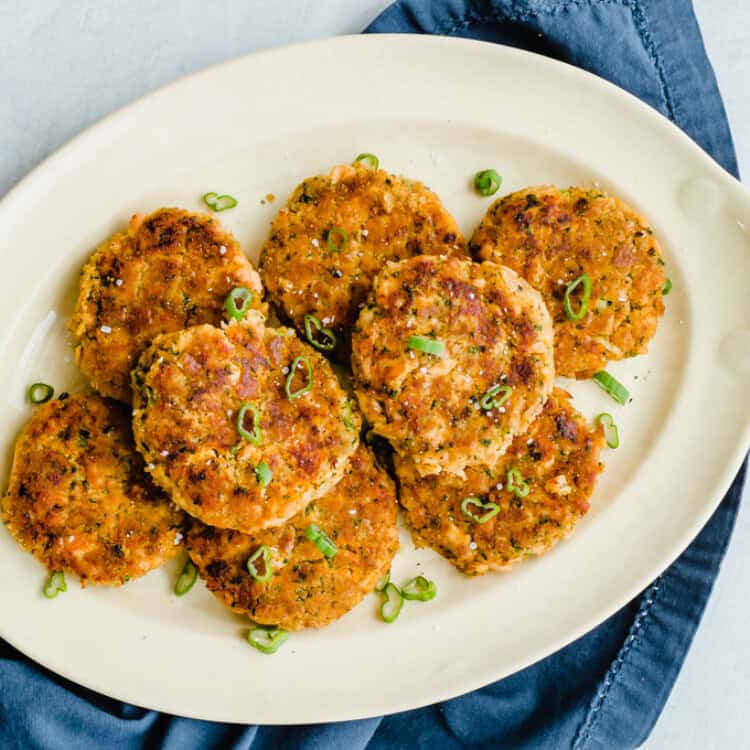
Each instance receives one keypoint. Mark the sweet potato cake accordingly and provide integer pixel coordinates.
(242, 425)
(79, 500)
(333, 237)
(169, 270)
(451, 360)
(522, 505)
(595, 261)
(296, 583)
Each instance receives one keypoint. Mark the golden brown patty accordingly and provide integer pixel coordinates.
(551, 237)
(79, 500)
(169, 270)
(558, 458)
(383, 217)
(444, 412)
(307, 590)
(189, 388)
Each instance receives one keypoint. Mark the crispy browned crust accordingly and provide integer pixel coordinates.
(169, 270)
(558, 457)
(550, 237)
(307, 590)
(386, 217)
(495, 330)
(188, 389)
(79, 500)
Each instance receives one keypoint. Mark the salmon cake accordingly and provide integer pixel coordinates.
(333, 236)
(295, 582)
(521, 506)
(242, 425)
(451, 360)
(169, 270)
(79, 500)
(595, 261)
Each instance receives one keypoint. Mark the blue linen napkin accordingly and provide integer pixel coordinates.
(602, 692)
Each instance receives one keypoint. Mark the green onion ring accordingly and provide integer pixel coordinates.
(492, 509)
(611, 434)
(390, 607)
(667, 288)
(488, 401)
(263, 553)
(335, 245)
(255, 436)
(263, 474)
(290, 394)
(187, 578)
(419, 589)
(267, 640)
(613, 386)
(584, 308)
(245, 298)
(516, 484)
(40, 393)
(55, 584)
(426, 345)
(487, 182)
(218, 202)
(321, 540)
(383, 582)
(370, 160)
(330, 337)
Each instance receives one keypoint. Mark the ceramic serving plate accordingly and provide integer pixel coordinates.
(438, 110)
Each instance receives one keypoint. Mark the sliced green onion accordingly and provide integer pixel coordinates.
(55, 584)
(186, 580)
(516, 484)
(337, 239)
(667, 288)
(584, 307)
(218, 202)
(254, 435)
(263, 474)
(474, 502)
(290, 394)
(40, 393)
(383, 582)
(329, 338)
(259, 564)
(613, 386)
(392, 603)
(419, 589)
(426, 345)
(321, 540)
(267, 640)
(488, 401)
(370, 160)
(238, 302)
(487, 182)
(611, 435)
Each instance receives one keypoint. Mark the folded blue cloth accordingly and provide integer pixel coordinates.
(603, 692)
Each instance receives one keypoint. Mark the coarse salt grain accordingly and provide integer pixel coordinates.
(119, 282)
(352, 511)
(365, 233)
(285, 369)
(178, 538)
(164, 454)
(222, 250)
(315, 243)
(473, 545)
(149, 466)
(530, 441)
(106, 329)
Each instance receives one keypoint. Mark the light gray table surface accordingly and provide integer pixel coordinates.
(66, 63)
